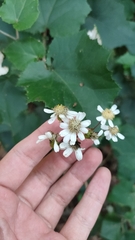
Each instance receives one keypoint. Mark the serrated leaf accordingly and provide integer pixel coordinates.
(123, 194)
(21, 53)
(61, 17)
(78, 77)
(21, 13)
(114, 31)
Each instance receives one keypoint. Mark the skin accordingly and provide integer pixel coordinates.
(34, 190)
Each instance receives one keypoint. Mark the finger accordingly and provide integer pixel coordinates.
(62, 192)
(84, 216)
(36, 185)
(20, 161)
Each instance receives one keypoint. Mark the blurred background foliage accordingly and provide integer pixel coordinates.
(51, 60)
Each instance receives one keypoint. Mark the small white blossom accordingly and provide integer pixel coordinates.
(58, 112)
(112, 132)
(107, 114)
(51, 137)
(3, 70)
(93, 34)
(70, 149)
(74, 127)
(95, 137)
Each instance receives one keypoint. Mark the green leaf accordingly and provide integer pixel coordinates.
(127, 60)
(21, 53)
(126, 153)
(21, 13)
(12, 103)
(114, 31)
(130, 217)
(61, 17)
(123, 194)
(78, 76)
(110, 230)
(129, 7)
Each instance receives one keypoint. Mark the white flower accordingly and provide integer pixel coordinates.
(70, 149)
(95, 137)
(3, 70)
(52, 138)
(58, 112)
(93, 34)
(112, 132)
(74, 127)
(107, 114)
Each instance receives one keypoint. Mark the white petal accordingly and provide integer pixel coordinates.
(85, 123)
(104, 127)
(92, 34)
(107, 133)
(72, 113)
(48, 135)
(117, 111)
(100, 118)
(78, 154)
(73, 138)
(96, 141)
(67, 152)
(113, 108)
(80, 116)
(109, 136)
(114, 138)
(3, 70)
(64, 145)
(110, 123)
(56, 147)
(100, 133)
(81, 136)
(1, 57)
(100, 109)
(99, 40)
(42, 137)
(46, 110)
(64, 132)
(66, 138)
(51, 120)
(120, 136)
(84, 130)
(63, 125)
(103, 121)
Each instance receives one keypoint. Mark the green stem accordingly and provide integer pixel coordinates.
(7, 35)
(96, 126)
(17, 34)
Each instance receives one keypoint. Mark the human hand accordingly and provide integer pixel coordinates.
(34, 190)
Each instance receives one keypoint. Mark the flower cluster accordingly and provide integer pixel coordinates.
(74, 129)
(3, 70)
(107, 115)
(93, 34)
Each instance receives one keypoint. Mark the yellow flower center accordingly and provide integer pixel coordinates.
(94, 135)
(74, 125)
(108, 114)
(60, 109)
(113, 130)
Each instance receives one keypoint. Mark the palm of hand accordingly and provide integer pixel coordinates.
(34, 191)
(19, 221)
